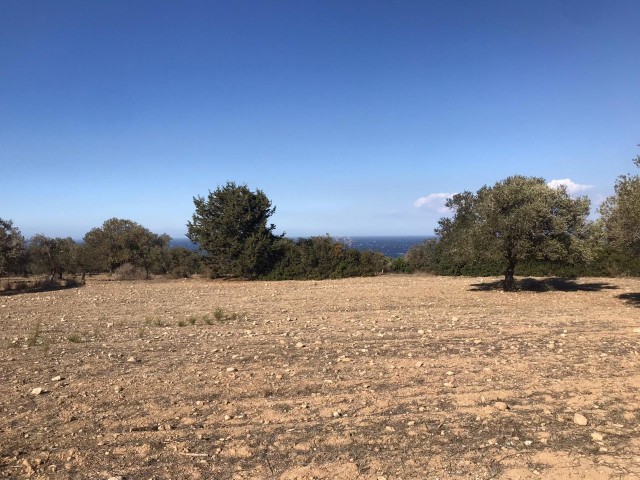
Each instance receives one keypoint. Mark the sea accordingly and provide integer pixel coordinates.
(390, 246)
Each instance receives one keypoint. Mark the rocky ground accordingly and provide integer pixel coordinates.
(390, 377)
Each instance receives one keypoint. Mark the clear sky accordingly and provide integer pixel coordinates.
(355, 118)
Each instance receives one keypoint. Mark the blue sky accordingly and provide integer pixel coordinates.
(353, 117)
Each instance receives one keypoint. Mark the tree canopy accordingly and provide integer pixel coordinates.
(231, 226)
(11, 245)
(517, 219)
(121, 241)
(621, 213)
(53, 255)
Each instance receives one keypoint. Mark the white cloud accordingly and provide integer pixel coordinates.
(572, 187)
(434, 201)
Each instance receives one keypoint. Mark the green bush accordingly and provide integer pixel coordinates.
(323, 257)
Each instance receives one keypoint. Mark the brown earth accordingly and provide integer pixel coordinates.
(390, 377)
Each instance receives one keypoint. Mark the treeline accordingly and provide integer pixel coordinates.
(128, 251)
(433, 257)
(123, 248)
(519, 226)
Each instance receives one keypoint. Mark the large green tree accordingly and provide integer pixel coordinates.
(517, 219)
(11, 246)
(231, 226)
(621, 213)
(52, 255)
(121, 241)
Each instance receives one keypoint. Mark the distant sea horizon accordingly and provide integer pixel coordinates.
(391, 246)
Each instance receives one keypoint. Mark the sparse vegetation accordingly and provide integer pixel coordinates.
(75, 338)
(34, 337)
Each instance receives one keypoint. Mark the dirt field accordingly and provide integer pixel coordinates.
(390, 377)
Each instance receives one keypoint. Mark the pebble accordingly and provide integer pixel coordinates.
(117, 389)
(300, 345)
(118, 477)
(131, 359)
(501, 406)
(336, 414)
(597, 437)
(580, 419)
(57, 378)
(37, 391)
(232, 369)
(419, 364)
(227, 417)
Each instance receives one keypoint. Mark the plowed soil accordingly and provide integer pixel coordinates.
(389, 377)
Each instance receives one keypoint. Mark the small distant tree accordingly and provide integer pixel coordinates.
(517, 219)
(53, 256)
(121, 241)
(621, 214)
(11, 246)
(231, 226)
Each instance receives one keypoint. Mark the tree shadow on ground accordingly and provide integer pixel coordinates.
(553, 284)
(631, 298)
(24, 287)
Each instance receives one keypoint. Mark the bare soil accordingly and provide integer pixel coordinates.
(392, 377)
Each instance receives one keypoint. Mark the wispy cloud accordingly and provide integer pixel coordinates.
(434, 202)
(572, 187)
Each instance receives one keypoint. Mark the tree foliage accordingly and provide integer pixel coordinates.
(231, 226)
(323, 257)
(11, 246)
(53, 256)
(121, 241)
(621, 214)
(517, 219)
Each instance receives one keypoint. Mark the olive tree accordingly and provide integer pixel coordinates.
(517, 219)
(11, 246)
(231, 227)
(53, 255)
(621, 213)
(121, 241)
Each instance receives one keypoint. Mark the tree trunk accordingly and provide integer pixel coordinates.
(509, 281)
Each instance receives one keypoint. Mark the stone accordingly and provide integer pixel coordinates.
(501, 406)
(580, 419)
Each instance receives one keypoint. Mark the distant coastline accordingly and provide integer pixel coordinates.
(391, 246)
